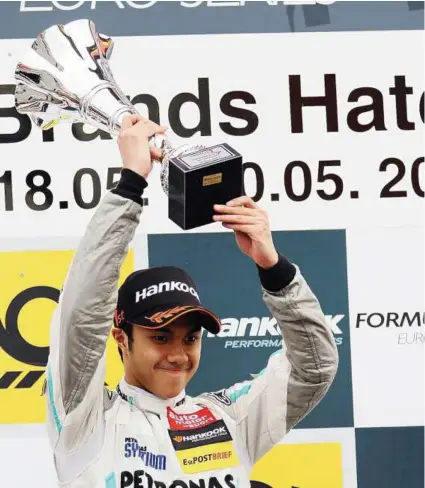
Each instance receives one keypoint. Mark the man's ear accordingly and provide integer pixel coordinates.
(121, 339)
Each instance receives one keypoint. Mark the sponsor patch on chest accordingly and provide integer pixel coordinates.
(132, 449)
(189, 421)
(141, 479)
(204, 449)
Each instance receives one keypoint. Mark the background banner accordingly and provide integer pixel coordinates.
(325, 101)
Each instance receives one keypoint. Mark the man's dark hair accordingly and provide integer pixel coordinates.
(128, 330)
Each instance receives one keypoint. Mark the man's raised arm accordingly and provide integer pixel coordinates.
(82, 321)
(296, 378)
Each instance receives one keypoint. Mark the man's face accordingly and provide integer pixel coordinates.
(163, 361)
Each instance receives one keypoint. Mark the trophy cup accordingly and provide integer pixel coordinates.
(66, 76)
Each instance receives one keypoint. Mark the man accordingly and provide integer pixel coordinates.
(149, 433)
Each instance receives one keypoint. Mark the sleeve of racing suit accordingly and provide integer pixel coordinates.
(82, 320)
(296, 378)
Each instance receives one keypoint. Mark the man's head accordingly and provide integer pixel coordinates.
(159, 321)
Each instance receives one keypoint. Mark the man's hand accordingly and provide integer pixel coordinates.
(252, 229)
(133, 141)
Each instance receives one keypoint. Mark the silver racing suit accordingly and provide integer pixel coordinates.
(130, 438)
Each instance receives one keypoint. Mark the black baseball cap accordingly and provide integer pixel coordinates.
(153, 298)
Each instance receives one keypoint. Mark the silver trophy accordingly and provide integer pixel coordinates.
(66, 76)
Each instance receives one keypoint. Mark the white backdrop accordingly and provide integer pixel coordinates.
(235, 63)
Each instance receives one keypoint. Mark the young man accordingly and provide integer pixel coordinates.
(148, 433)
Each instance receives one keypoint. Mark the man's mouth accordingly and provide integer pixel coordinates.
(174, 371)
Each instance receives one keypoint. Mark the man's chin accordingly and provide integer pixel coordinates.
(172, 385)
(171, 393)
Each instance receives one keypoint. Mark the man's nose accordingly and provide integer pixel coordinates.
(177, 354)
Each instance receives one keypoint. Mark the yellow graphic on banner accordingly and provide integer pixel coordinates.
(300, 466)
(29, 290)
(208, 458)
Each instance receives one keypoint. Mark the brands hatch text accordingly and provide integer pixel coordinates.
(237, 115)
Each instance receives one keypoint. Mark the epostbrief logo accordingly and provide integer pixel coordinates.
(29, 292)
(214, 456)
(209, 457)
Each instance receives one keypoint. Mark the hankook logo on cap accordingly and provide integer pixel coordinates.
(163, 287)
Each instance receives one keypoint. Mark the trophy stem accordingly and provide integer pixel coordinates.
(86, 102)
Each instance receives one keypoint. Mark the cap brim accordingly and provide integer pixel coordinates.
(163, 317)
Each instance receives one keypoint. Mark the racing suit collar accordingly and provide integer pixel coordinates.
(144, 400)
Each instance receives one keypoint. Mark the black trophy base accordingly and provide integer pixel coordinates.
(200, 180)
